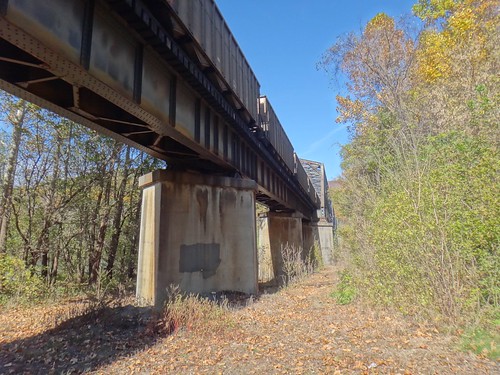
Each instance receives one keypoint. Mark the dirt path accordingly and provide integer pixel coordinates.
(299, 330)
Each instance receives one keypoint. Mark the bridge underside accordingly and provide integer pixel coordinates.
(113, 67)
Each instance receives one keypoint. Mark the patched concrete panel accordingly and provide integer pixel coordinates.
(200, 257)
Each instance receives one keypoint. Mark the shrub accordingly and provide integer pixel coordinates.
(345, 292)
(17, 282)
(436, 237)
(426, 240)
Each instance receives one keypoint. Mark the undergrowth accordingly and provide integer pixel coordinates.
(22, 286)
(484, 342)
(345, 292)
(298, 263)
(18, 284)
(192, 312)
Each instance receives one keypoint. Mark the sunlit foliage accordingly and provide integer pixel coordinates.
(420, 185)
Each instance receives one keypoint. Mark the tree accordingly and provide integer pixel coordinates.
(74, 198)
(16, 114)
(377, 66)
(117, 218)
(419, 187)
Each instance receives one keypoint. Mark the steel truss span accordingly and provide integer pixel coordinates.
(167, 77)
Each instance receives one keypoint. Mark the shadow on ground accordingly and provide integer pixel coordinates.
(81, 344)
(99, 337)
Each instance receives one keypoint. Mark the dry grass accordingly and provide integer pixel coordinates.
(191, 312)
(296, 264)
(299, 329)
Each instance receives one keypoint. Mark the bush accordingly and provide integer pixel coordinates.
(436, 238)
(345, 292)
(426, 241)
(17, 282)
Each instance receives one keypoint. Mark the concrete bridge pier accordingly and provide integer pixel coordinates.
(277, 231)
(325, 233)
(198, 232)
(309, 237)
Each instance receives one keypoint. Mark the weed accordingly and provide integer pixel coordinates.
(192, 313)
(295, 267)
(484, 342)
(345, 292)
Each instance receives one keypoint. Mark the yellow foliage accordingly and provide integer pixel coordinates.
(462, 22)
(432, 56)
(464, 35)
(430, 10)
(379, 22)
(349, 109)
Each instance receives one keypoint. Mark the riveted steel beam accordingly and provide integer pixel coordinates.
(113, 66)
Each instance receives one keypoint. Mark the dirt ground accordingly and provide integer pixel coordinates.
(297, 330)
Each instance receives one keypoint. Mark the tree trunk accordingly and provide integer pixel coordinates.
(95, 258)
(54, 267)
(8, 186)
(134, 241)
(93, 235)
(117, 219)
(49, 210)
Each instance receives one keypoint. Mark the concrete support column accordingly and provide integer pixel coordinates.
(265, 260)
(325, 237)
(198, 232)
(277, 230)
(309, 237)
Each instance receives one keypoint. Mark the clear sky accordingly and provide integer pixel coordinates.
(283, 40)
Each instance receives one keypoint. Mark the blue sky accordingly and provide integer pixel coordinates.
(283, 40)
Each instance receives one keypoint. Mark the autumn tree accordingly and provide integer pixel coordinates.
(70, 203)
(16, 112)
(419, 191)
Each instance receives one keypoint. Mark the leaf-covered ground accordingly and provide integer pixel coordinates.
(297, 330)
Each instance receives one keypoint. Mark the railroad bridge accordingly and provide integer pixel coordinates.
(168, 77)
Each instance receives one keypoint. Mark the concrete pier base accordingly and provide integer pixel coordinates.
(276, 231)
(309, 237)
(197, 232)
(325, 234)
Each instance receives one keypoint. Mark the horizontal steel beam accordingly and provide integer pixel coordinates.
(114, 67)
